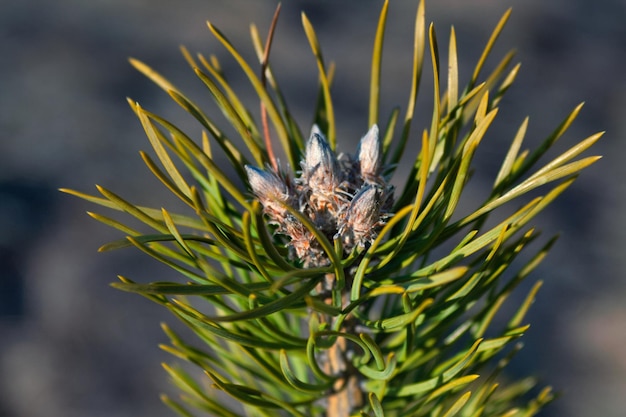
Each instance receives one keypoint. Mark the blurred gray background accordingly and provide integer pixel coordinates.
(71, 346)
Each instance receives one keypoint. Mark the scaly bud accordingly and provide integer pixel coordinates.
(370, 156)
(342, 196)
(363, 217)
(320, 169)
(269, 188)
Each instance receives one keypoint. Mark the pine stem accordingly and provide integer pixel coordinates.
(347, 396)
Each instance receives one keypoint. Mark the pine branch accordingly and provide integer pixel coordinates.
(324, 291)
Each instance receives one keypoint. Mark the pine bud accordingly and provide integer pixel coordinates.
(344, 197)
(363, 217)
(320, 169)
(269, 188)
(370, 156)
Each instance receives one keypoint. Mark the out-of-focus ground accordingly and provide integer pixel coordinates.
(71, 346)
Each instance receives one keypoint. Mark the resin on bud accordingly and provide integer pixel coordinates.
(370, 156)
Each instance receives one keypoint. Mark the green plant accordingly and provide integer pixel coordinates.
(325, 291)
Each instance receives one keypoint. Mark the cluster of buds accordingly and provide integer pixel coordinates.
(345, 197)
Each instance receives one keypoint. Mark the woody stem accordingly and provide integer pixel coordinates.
(346, 397)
